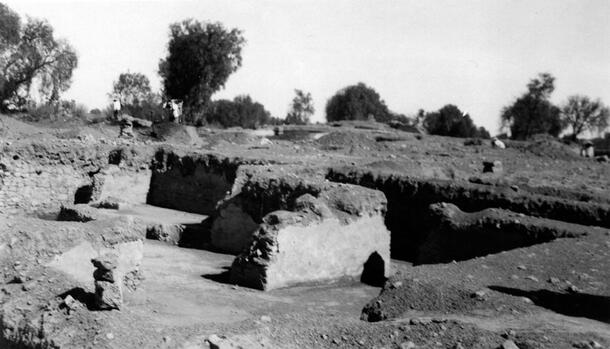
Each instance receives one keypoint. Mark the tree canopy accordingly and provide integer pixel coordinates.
(32, 58)
(132, 88)
(241, 111)
(451, 121)
(533, 113)
(581, 114)
(357, 102)
(301, 108)
(201, 57)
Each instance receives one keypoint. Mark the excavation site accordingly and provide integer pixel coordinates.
(304, 174)
(349, 236)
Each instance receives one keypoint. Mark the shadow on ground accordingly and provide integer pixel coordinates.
(224, 277)
(594, 307)
(82, 296)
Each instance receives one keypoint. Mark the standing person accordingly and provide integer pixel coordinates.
(176, 111)
(116, 106)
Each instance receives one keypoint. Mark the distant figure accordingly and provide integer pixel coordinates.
(116, 107)
(496, 143)
(176, 107)
(587, 150)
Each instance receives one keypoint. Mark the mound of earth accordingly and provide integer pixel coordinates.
(344, 139)
(545, 146)
(175, 133)
(401, 295)
(235, 137)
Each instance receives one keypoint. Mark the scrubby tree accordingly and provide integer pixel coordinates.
(241, 111)
(451, 121)
(357, 102)
(581, 114)
(32, 58)
(301, 108)
(533, 113)
(131, 88)
(10, 24)
(136, 96)
(201, 57)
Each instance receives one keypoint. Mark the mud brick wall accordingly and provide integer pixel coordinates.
(193, 183)
(29, 187)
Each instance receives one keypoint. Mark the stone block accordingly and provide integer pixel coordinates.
(108, 295)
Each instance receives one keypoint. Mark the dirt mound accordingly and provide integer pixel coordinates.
(11, 128)
(545, 146)
(401, 295)
(234, 137)
(176, 133)
(342, 139)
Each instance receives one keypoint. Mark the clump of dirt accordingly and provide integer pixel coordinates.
(401, 295)
(545, 146)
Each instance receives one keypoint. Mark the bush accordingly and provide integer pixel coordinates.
(451, 121)
(241, 111)
(357, 102)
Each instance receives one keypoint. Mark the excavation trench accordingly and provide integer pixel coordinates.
(422, 233)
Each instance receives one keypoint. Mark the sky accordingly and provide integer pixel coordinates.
(478, 55)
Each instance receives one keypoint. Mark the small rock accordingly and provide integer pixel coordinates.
(105, 262)
(509, 344)
(480, 295)
(325, 337)
(396, 284)
(108, 295)
(265, 318)
(407, 345)
(521, 267)
(109, 335)
(532, 277)
(554, 280)
(526, 300)
(71, 303)
(573, 289)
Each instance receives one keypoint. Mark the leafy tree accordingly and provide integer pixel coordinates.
(533, 113)
(31, 57)
(581, 114)
(136, 96)
(132, 88)
(357, 102)
(451, 121)
(241, 111)
(10, 25)
(200, 59)
(301, 108)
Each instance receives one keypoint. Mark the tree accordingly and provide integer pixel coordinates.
(10, 24)
(451, 121)
(32, 59)
(136, 96)
(301, 108)
(201, 56)
(533, 113)
(241, 111)
(357, 102)
(132, 88)
(581, 114)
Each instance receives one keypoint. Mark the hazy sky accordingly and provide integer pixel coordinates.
(478, 55)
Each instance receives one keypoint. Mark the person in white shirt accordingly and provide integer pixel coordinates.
(116, 106)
